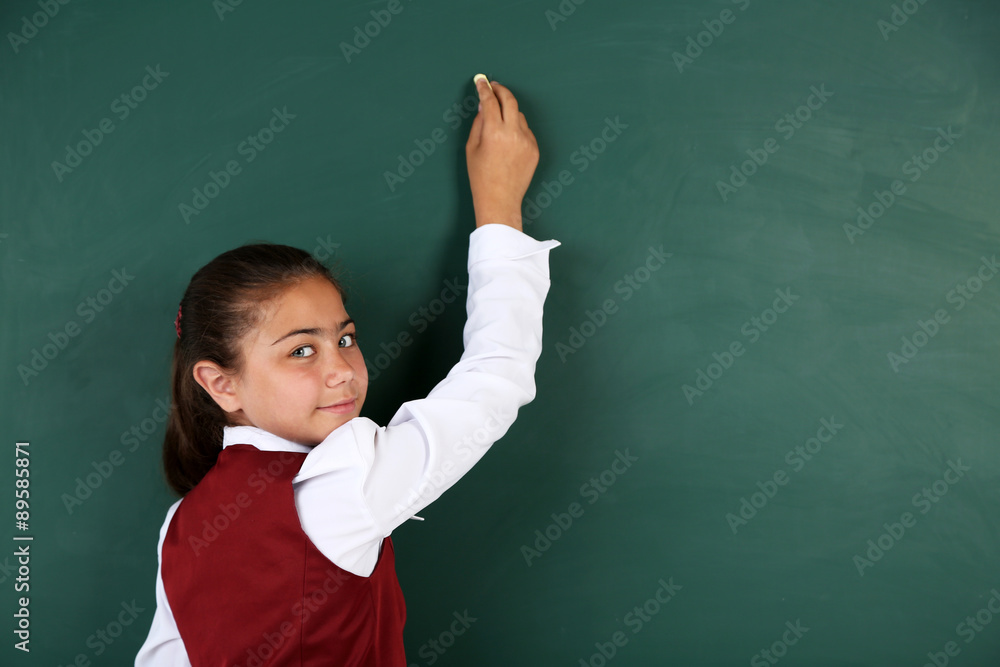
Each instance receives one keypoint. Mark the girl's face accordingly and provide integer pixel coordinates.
(303, 360)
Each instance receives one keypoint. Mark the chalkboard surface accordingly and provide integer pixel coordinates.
(768, 407)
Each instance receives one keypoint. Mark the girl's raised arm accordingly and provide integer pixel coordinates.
(364, 480)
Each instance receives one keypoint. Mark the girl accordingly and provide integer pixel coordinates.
(279, 552)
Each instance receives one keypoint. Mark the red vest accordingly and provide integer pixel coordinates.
(248, 588)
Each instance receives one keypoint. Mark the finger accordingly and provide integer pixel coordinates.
(475, 133)
(532, 135)
(490, 106)
(526, 129)
(508, 103)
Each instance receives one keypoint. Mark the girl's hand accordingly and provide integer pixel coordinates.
(501, 155)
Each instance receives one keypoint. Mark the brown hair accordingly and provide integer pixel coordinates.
(225, 300)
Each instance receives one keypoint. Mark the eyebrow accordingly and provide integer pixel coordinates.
(313, 331)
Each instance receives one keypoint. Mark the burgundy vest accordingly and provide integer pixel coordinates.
(248, 588)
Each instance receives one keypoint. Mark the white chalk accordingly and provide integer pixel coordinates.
(475, 80)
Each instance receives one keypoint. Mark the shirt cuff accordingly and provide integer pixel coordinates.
(497, 241)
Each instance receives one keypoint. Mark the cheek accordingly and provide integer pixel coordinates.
(285, 386)
(361, 372)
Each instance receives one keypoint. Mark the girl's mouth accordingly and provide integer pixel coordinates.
(341, 408)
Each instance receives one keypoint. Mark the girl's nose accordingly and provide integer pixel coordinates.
(337, 369)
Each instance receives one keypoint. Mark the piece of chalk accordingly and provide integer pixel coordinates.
(475, 80)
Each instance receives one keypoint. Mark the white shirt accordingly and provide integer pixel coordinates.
(364, 480)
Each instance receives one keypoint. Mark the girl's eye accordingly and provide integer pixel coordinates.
(354, 338)
(304, 347)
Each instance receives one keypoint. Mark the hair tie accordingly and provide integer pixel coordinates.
(177, 322)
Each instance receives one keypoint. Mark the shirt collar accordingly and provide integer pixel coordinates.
(259, 438)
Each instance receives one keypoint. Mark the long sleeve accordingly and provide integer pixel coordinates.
(364, 480)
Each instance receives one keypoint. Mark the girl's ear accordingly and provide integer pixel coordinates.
(219, 385)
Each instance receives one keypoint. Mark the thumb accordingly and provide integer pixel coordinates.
(487, 96)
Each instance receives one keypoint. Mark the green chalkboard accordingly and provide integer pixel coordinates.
(768, 408)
